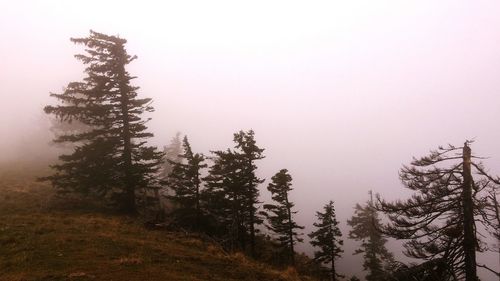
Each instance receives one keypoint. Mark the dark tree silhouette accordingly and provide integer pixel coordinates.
(112, 158)
(493, 219)
(432, 270)
(248, 152)
(224, 199)
(231, 190)
(327, 238)
(491, 214)
(279, 215)
(366, 225)
(439, 220)
(185, 181)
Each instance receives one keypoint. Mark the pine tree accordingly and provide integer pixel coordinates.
(223, 196)
(249, 152)
(185, 181)
(366, 225)
(279, 215)
(327, 239)
(171, 154)
(232, 191)
(163, 194)
(112, 158)
(439, 220)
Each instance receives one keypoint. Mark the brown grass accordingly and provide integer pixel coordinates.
(38, 242)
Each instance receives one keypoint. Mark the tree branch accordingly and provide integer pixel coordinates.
(491, 270)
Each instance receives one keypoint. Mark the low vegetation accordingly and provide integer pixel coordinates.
(45, 238)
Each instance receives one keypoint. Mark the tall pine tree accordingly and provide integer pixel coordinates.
(366, 225)
(279, 215)
(112, 157)
(223, 196)
(185, 181)
(327, 238)
(248, 152)
(232, 191)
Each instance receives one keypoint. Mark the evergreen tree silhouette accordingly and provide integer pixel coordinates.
(185, 181)
(366, 225)
(279, 215)
(326, 237)
(111, 158)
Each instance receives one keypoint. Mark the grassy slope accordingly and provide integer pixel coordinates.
(41, 244)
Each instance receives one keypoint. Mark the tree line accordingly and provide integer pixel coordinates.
(218, 194)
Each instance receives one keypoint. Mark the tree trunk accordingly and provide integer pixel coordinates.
(239, 224)
(198, 209)
(290, 231)
(129, 206)
(333, 273)
(469, 243)
(251, 213)
(129, 202)
(252, 232)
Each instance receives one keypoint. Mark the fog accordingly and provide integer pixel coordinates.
(341, 93)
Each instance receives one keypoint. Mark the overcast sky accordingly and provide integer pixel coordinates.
(342, 93)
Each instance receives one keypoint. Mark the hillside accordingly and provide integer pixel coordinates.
(39, 241)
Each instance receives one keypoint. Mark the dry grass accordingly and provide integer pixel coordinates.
(42, 243)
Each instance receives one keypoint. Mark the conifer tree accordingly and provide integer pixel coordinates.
(248, 152)
(327, 238)
(163, 194)
(171, 154)
(185, 181)
(112, 158)
(232, 190)
(366, 225)
(279, 215)
(439, 220)
(224, 199)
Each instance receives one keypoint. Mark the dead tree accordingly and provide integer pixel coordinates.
(439, 220)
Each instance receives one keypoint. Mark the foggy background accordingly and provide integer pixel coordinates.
(341, 93)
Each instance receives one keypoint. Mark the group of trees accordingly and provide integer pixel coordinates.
(225, 202)
(232, 191)
(454, 197)
(100, 121)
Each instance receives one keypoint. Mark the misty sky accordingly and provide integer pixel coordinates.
(341, 93)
